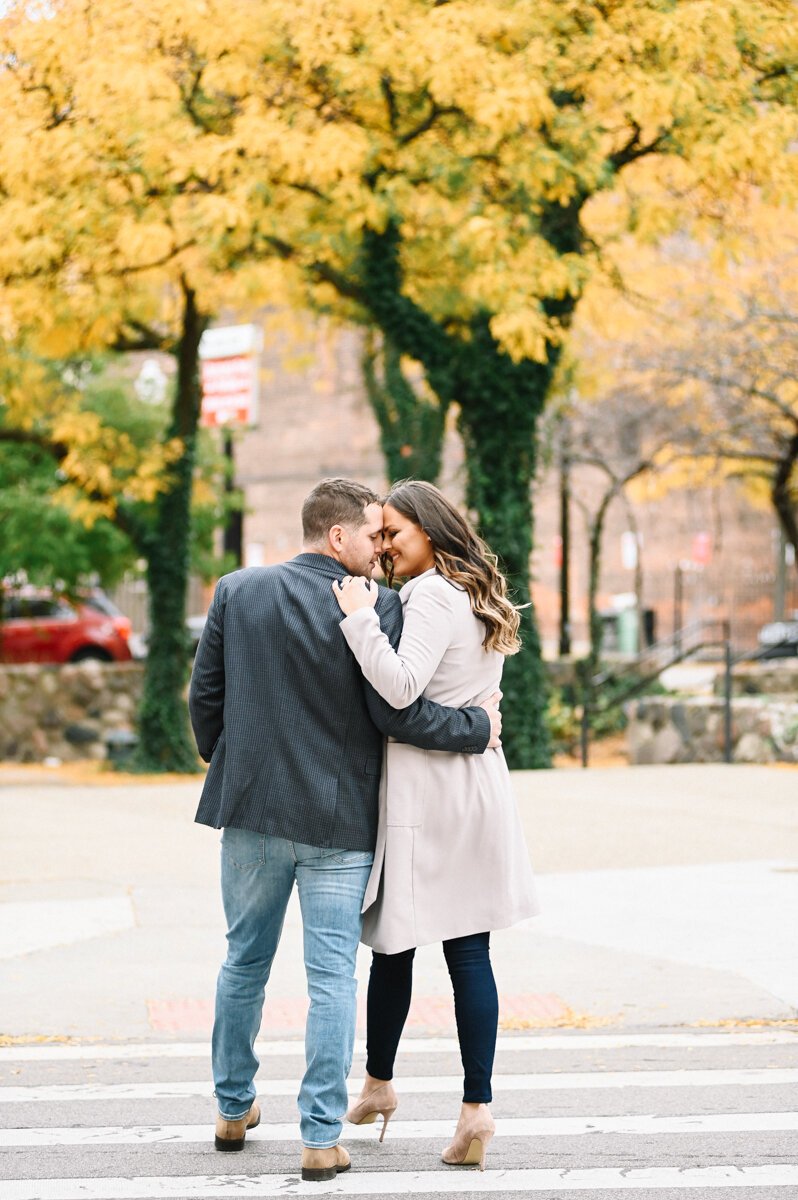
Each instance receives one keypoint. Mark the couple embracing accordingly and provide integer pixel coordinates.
(352, 733)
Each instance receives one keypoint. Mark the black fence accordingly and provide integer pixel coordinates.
(746, 599)
(699, 639)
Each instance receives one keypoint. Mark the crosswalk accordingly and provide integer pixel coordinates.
(587, 1114)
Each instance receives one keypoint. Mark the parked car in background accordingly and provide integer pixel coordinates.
(779, 639)
(38, 625)
(139, 642)
(194, 628)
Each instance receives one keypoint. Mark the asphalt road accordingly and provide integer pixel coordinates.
(649, 1040)
(579, 1114)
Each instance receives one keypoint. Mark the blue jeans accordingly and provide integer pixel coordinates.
(258, 874)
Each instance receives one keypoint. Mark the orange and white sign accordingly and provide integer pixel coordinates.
(229, 372)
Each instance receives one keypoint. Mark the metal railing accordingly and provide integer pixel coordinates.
(684, 643)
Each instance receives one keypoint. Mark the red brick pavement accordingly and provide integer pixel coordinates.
(189, 1015)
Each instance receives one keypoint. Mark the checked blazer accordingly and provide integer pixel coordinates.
(280, 710)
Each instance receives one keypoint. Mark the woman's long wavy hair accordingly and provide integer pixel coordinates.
(462, 556)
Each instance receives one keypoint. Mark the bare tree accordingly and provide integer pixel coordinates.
(724, 353)
(747, 410)
(611, 442)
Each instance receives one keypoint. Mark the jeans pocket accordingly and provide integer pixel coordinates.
(242, 847)
(350, 858)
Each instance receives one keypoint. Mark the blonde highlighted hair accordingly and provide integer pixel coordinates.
(461, 556)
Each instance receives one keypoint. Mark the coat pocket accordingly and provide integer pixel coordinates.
(406, 785)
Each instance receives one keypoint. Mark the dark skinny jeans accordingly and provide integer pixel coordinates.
(476, 1009)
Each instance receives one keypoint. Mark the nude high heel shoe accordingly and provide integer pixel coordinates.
(381, 1100)
(471, 1139)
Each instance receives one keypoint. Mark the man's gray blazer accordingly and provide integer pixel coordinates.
(280, 710)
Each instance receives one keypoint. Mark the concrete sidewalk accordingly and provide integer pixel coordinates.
(670, 896)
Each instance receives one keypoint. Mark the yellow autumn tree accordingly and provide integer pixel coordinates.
(483, 160)
(123, 230)
(453, 173)
(67, 477)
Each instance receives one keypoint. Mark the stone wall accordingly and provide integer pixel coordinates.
(773, 677)
(66, 712)
(664, 729)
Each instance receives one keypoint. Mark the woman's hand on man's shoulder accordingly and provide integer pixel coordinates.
(355, 592)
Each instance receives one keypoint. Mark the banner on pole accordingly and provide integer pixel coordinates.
(229, 373)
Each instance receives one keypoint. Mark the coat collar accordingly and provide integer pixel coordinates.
(336, 570)
(322, 562)
(407, 588)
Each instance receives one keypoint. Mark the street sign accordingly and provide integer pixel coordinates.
(229, 372)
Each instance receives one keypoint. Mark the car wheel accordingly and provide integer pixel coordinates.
(91, 652)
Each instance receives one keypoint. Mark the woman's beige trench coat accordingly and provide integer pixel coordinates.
(450, 858)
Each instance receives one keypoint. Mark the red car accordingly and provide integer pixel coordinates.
(39, 626)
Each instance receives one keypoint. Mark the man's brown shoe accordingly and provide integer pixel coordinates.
(318, 1165)
(230, 1134)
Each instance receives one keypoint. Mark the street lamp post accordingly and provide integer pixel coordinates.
(565, 543)
(233, 539)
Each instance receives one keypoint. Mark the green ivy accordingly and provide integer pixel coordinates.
(411, 425)
(165, 740)
(500, 402)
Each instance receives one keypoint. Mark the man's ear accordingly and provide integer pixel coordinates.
(335, 536)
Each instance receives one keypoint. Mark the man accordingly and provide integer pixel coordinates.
(293, 735)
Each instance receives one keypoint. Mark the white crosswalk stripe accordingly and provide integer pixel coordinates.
(705, 1112)
(448, 1084)
(58, 1052)
(121, 1135)
(424, 1183)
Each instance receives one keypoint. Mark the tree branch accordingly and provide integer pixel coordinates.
(141, 337)
(390, 100)
(635, 149)
(425, 125)
(28, 437)
(321, 270)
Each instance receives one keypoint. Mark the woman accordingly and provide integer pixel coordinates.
(450, 863)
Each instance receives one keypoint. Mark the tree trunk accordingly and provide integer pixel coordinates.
(165, 741)
(411, 426)
(500, 402)
(594, 579)
(783, 494)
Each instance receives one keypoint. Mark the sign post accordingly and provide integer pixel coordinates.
(229, 373)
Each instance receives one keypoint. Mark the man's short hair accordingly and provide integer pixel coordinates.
(335, 502)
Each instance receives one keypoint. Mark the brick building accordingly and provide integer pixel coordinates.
(315, 421)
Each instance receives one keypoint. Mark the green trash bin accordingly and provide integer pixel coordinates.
(627, 631)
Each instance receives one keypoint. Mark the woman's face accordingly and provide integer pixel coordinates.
(405, 543)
